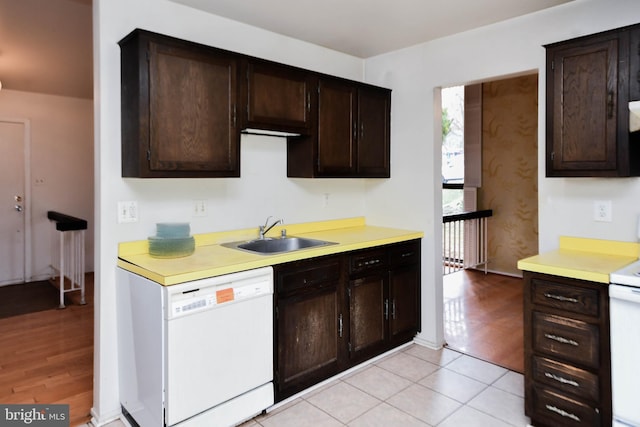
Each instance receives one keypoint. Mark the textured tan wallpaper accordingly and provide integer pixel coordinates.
(510, 170)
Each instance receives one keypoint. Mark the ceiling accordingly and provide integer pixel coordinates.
(46, 45)
(366, 28)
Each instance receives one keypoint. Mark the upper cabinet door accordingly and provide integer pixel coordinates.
(279, 97)
(373, 132)
(590, 81)
(584, 81)
(634, 64)
(192, 99)
(336, 128)
(179, 104)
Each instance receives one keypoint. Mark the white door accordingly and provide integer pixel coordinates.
(12, 195)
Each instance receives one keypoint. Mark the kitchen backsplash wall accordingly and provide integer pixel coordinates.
(510, 170)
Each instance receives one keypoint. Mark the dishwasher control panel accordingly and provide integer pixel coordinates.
(210, 294)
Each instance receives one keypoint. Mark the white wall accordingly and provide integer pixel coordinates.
(262, 190)
(415, 74)
(62, 156)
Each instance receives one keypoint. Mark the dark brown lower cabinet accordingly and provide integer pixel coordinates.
(567, 352)
(368, 310)
(334, 312)
(384, 299)
(308, 321)
(404, 297)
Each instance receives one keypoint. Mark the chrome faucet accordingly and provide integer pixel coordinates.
(264, 229)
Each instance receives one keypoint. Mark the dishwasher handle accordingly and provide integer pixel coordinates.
(624, 293)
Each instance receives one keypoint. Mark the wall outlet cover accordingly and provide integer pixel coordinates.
(602, 211)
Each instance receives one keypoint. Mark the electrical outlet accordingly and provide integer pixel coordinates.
(127, 212)
(199, 208)
(325, 200)
(602, 211)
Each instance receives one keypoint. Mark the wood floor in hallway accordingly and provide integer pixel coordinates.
(483, 317)
(47, 357)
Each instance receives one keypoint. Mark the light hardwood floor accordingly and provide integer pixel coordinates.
(47, 357)
(483, 317)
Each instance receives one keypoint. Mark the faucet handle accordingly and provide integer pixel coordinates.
(266, 223)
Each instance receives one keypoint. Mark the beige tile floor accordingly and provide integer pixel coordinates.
(414, 386)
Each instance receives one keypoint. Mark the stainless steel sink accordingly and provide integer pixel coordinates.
(275, 246)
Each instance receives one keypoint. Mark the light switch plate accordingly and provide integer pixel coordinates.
(127, 212)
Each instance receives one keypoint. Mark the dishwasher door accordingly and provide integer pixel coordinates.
(625, 352)
(219, 347)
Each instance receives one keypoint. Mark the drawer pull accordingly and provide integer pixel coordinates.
(407, 254)
(562, 412)
(560, 298)
(561, 380)
(371, 262)
(562, 340)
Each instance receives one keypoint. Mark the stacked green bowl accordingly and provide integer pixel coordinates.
(172, 240)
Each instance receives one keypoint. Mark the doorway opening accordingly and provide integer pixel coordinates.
(494, 133)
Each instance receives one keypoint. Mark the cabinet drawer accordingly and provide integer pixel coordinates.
(566, 378)
(567, 339)
(367, 260)
(405, 254)
(565, 297)
(307, 275)
(554, 409)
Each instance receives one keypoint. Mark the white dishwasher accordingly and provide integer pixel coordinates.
(198, 353)
(624, 309)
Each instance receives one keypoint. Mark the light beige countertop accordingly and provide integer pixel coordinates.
(212, 259)
(585, 259)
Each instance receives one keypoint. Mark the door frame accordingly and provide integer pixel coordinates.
(26, 123)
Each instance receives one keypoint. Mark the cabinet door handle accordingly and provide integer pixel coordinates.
(386, 309)
(610, 104)
(340, 325)
(393, 309)
(562, 340)
(308, 102)
(562, 412)
(361, 130)
(561, 380)
(560, 298)
(233, 117)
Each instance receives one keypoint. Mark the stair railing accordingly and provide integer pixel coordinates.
(465, 241)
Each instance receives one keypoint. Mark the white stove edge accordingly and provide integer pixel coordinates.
(629, 275)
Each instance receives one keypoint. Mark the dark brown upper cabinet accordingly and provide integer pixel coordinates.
(374, 132)
(279, 98)
(634, 64)
(353, 134)
(588, 90)
(185, 105)
(179, 109)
